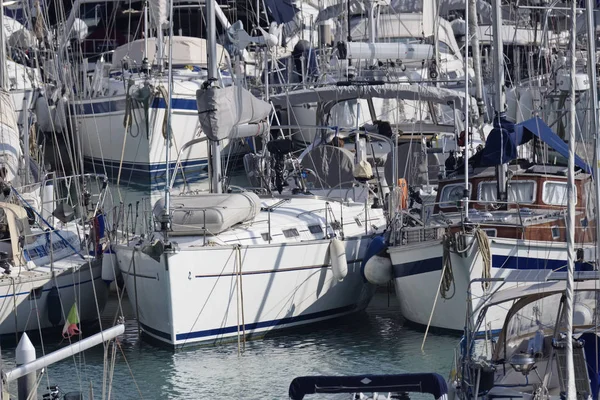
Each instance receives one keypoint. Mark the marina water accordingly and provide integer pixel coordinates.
(375, 341)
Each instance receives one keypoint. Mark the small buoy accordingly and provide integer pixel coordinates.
(109, 265)
(339, 265)
(378, 270)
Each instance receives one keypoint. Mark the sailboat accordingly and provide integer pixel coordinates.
(51, 237)
(490, 220)
(226, 266)
(122, 114)
(548, 345)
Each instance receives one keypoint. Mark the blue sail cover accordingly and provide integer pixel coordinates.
(501, 144)
(416, 383)
(282, 11)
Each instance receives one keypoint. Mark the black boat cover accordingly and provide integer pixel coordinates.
(421, 383)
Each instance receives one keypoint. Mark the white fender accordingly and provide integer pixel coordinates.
(109, 265)
(582, 315)
(339, 265)
(378, 270)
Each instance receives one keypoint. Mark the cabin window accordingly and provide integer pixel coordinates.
(555, 232)
(451, 194)
(315, 229)
(490, 232)
(358, 222)
(290, 233)
(518, 192)
(555, 193)
(266, 237)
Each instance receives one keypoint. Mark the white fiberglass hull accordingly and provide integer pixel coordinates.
(199, 295)
(28, 301)
(139, 153)
(417, 270)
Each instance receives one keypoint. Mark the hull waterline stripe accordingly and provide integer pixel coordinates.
(249, 327)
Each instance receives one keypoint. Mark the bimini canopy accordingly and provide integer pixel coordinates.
(415, 383)
(186, 51)
(502, 142)
(328, 96)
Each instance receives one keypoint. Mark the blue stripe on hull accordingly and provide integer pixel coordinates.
(149, 174)
(498, 261)
(257, 325)
(103, 107)
(418, 267)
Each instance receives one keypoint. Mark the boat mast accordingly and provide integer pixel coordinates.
(571, 391)
(499, 98)
(145, 31)
(3, 84)
(591, 26)
(465, 199)
(215, 150)
(169, 111)
(472, 22)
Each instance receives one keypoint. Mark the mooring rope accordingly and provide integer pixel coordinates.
(486, 257)
(447, 281)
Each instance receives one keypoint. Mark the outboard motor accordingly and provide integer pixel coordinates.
(279, 148)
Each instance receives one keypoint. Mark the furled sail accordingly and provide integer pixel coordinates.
(158, 13)
(221, 109)
(10, 148)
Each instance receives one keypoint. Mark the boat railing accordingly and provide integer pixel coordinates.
(418, 234)
(132, 220)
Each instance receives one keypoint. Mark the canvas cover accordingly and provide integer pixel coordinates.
(222, 109)
(10, 147)
(186, 51)
(210, 213)
(329, 96)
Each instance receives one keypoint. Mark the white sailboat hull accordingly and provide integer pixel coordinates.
(205, 298)
(27, 303)
(417, 270)
(139, 152)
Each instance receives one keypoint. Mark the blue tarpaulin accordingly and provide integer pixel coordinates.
(501, 144)
(282, 11)
(416, 383)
